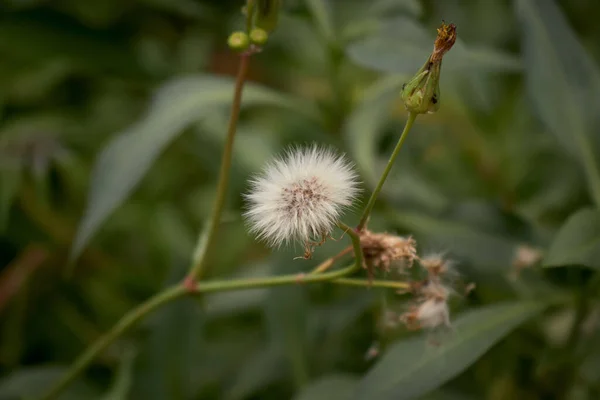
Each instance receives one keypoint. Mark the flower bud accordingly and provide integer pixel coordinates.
(259, 36)
(421, 94)
(238, 41)
(267, 14)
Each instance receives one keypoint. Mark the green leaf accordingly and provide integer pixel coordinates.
(33, 382)
(577, 242)
(123, 379)
(332, 387)
(173, 348)
(258, 371)
(401, 45)
(366, 122)
(563, 82)
(127, 157)
(322, 16)
(286, 311)
(413, 367)
(475, 231)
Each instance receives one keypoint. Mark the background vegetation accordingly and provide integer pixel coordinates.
(113, 116)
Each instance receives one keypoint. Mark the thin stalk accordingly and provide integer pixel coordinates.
(372, 283)
(325, 265)
(355, 238)
(126, 322)
(197, 268)
(365, 217)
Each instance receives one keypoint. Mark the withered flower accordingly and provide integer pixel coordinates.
(422, 93)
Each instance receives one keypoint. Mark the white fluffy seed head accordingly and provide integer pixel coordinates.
(301, 195)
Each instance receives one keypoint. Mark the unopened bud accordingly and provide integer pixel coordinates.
(267, 14)
(238, 41)
(259, 36)
(422, 93)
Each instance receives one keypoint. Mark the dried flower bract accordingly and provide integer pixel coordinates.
(446, 37)
(381, 250)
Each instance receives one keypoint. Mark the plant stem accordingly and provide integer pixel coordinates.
(126, 322)
(365, 217)
(373, 283)
(207, 242)
(199, 288)
(325, 265)
(358, 253)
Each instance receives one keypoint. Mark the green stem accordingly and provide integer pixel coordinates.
(355, 238)
(365, 217)
(207, 241)
(198, 288)
(123, 325)
(373, 283)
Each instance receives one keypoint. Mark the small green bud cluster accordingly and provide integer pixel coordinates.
(261, 18)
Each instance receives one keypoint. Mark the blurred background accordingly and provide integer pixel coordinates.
(112, 121)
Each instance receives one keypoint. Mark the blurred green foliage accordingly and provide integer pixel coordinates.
(113, 116)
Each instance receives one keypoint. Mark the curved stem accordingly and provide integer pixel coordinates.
(206, 242)
(126, 322)
(365, 217)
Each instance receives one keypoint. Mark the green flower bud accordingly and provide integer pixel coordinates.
(238, 41)
(267, 14)
(421, 94)
(259, 36)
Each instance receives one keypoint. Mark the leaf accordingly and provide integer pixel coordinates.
(332, 387)
(412, 367)
(123, 379)
(478, 232)
(258, 371)
(165, 361)
(29, 38)
(127, 157)
(366, 122)
(322, 16)
(33, 382)
(401, 45)
(577, 242)
(286, 311)
(562, 81)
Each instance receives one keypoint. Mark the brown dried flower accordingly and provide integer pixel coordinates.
(381, 250)
(446, 36)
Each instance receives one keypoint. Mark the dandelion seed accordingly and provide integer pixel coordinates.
(300, 197)
(430, 314)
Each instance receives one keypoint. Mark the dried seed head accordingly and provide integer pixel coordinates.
(430, 314)
(381, 250)
(435, 265)
(526, 256)
(300, 196)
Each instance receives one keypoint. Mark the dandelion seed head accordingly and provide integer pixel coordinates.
(300, 195)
